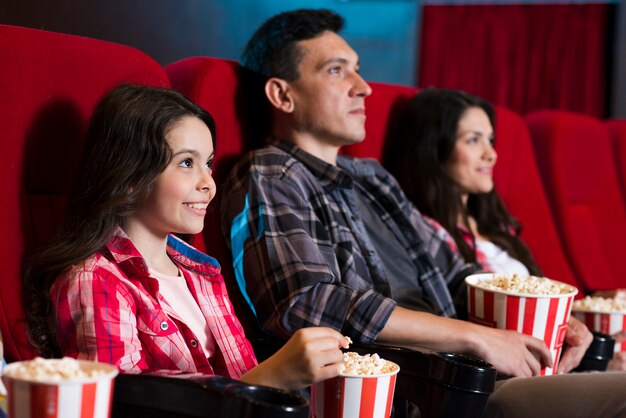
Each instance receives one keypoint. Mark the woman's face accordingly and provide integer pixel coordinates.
(471, 163)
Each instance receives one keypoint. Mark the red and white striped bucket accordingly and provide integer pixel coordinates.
(76, 398)
(542, 316)
(605, 322)
(354, 396)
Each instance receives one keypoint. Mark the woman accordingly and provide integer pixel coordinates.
(116, 286)
(443, 157)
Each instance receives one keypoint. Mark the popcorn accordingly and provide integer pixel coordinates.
(530, 285)
(354, 364)
(348, 339)
(599, 304)
(43, 370)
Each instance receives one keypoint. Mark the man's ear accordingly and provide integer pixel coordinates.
(278, 92)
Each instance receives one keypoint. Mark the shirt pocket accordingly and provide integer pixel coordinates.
(155, 323)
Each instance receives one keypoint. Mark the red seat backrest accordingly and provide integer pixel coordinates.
(617, 129)
(49, 84)
(519, 185)
(213, 83)
(383, 109)
(575, 160)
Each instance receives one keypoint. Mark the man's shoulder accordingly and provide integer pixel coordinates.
(266, 163)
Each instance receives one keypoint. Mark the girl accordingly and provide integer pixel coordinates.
(121, 288)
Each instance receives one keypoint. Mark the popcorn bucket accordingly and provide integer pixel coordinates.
(354, 396)
(88, 397)
(608, 323)
(542, 316)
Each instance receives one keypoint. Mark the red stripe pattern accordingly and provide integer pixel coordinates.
(606, 323)
(353, 397)
(543, 317)
(69, 399)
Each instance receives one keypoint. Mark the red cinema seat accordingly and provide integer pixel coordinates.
(519, 184)
(382, 108)
(575, 160)
(49, 84)
(617, 130)
(215, 84)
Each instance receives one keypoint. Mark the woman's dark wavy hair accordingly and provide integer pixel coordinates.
(416, 156)
(124, 152)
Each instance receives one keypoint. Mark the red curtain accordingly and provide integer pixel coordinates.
(524, 57)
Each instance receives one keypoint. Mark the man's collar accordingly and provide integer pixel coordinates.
(330, 176)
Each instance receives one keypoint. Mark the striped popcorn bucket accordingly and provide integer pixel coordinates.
(354, 396)
(74, 398)
(608, 323)
(542, 316)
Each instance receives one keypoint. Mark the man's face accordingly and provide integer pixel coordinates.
(329, 94)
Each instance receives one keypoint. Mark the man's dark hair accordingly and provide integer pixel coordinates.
(273, 52)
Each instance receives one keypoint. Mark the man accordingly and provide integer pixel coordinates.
(322, 239)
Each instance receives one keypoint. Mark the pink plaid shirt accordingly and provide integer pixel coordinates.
(481, 258)
(109, 309)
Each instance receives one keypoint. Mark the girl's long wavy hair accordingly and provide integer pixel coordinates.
(416, 155)
(124, 153)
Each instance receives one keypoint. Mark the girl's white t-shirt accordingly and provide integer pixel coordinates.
(499, 260)
(185, 308)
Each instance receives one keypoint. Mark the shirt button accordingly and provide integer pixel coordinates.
(355, 218)
(193, 343)
(370, 253)
(164, 326)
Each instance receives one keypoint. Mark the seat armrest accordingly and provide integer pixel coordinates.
(440, 384)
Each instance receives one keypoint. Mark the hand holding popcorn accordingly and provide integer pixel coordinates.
(311, 355)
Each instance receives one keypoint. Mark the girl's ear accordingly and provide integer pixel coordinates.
(278, 92)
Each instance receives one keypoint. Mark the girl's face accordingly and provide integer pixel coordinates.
(183, 191)
(471, 163)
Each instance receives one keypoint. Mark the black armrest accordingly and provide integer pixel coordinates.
(151, 396)
(440, 384)
(598, 354)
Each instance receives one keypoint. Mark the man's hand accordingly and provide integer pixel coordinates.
(512, 353)
(618, 363)
(578, 338)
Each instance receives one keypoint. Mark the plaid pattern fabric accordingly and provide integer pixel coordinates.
(300, 251)
(481, 258)
(109, 309)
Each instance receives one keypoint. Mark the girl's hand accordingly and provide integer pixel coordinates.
(311, 355)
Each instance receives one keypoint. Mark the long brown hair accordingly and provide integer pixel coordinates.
(416, 156)
(125, 151)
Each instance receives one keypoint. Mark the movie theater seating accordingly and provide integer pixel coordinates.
(49, 84)
(575, 159)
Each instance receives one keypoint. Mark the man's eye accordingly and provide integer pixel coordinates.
(187, 163)
(334, 70)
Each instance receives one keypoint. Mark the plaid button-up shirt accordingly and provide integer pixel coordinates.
(300, 251)
(109, 309)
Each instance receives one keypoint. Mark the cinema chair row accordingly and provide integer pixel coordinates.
(558, 172)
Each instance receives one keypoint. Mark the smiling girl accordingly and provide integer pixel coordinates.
(117, 286)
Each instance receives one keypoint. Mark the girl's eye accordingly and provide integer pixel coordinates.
(209, 164)
(472, 140)
(186, 163)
